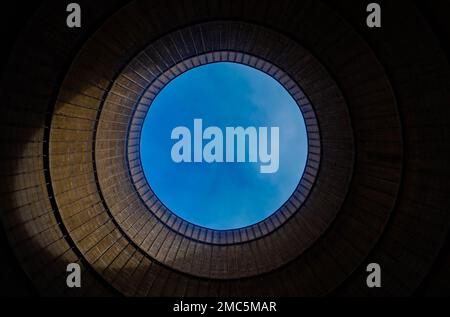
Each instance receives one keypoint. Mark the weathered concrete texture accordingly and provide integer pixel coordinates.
(381, 99)
(120, 189)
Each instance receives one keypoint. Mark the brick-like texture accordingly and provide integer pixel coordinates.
(381, 99)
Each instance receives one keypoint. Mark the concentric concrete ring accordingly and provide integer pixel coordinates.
(140, 110)
(72, 199)
(130, 96)
(124, 219)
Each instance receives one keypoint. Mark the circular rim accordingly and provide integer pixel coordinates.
(229, 256)
(246, 233)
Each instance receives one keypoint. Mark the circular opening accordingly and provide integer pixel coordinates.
(223, 146)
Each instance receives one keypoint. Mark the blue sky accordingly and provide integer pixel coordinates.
(223, 195)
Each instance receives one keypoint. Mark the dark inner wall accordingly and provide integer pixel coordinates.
(16, 14)
(14, 282)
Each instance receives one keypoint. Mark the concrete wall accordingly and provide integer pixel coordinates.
(381, 100)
